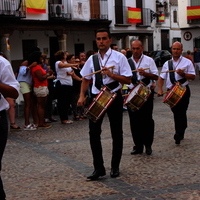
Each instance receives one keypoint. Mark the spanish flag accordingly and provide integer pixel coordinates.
(161, 18)
(36, 6)
(193, 12)
(134, 15)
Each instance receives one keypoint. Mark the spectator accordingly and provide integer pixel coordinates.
(82, 57)
(189, 56)
(77, 79)
(25, 80)
(196, 56)
(114, 47)
(123, 51)
(50, 97)
(63, 85)
(40, 88)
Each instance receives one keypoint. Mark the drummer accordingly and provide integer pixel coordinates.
(141, 121)
(112, 78)
(183, 70)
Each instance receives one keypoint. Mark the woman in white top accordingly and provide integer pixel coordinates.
(64, 84)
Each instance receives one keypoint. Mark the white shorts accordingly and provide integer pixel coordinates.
(41, 91)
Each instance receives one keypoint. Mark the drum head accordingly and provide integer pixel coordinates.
(132, 93)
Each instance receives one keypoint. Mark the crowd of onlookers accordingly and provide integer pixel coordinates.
(42, 85)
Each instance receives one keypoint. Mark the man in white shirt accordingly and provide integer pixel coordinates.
(9, 87)
(112, 78)
(183, 70)
(141, 120)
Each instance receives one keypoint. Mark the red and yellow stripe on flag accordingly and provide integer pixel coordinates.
(161, 18)
(36, 6)
(134, 15)
(193, 12)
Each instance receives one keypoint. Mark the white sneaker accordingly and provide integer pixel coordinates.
(29, 128)
(34, 126)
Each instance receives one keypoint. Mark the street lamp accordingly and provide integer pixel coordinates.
(159, 11)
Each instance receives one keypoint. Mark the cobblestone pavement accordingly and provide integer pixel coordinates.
(52, 164)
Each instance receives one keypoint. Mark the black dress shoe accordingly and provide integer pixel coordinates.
(136, 152)
(96, 174)
(148, 150)
(114, 172)
(177, 138)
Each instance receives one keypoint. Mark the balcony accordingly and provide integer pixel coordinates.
(121, 17)
(85, 11)
(146, 18)
(12, 8)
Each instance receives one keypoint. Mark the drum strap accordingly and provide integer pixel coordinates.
(172, 76)
(134, 77)
(146, 81)
(98, 76)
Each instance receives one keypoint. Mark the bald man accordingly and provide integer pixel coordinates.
(183, 71)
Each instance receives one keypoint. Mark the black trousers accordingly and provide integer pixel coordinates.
(180, 113)
(63, 93)
(142, 124)
(3, 140)
(114, 112)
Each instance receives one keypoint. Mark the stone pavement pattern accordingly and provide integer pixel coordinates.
(53, 164)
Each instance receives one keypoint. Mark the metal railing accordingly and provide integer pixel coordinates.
(13, 8)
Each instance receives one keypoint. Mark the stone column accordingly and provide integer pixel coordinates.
(62, 42)
(5, 45)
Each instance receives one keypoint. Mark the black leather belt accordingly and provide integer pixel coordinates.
(112, 85)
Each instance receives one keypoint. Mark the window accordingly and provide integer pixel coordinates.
(195, 3)
(95, 9)
(119, 12)
(176, 40)
(175, 16)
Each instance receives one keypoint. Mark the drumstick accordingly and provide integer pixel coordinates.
(135, 70)
(97, 71)
(125, 95)
(171, 71)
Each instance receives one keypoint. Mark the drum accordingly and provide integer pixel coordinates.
(174, 95)
(99, 104)
(137, 97)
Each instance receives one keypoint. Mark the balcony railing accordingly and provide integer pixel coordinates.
(59, 11)
(193, 21)
(12, 8)
(98, 10)
(193, 15)
(146, 17)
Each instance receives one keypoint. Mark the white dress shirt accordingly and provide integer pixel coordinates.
(182, 63)
(6, 77)
(111, 58)
(145, 62)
